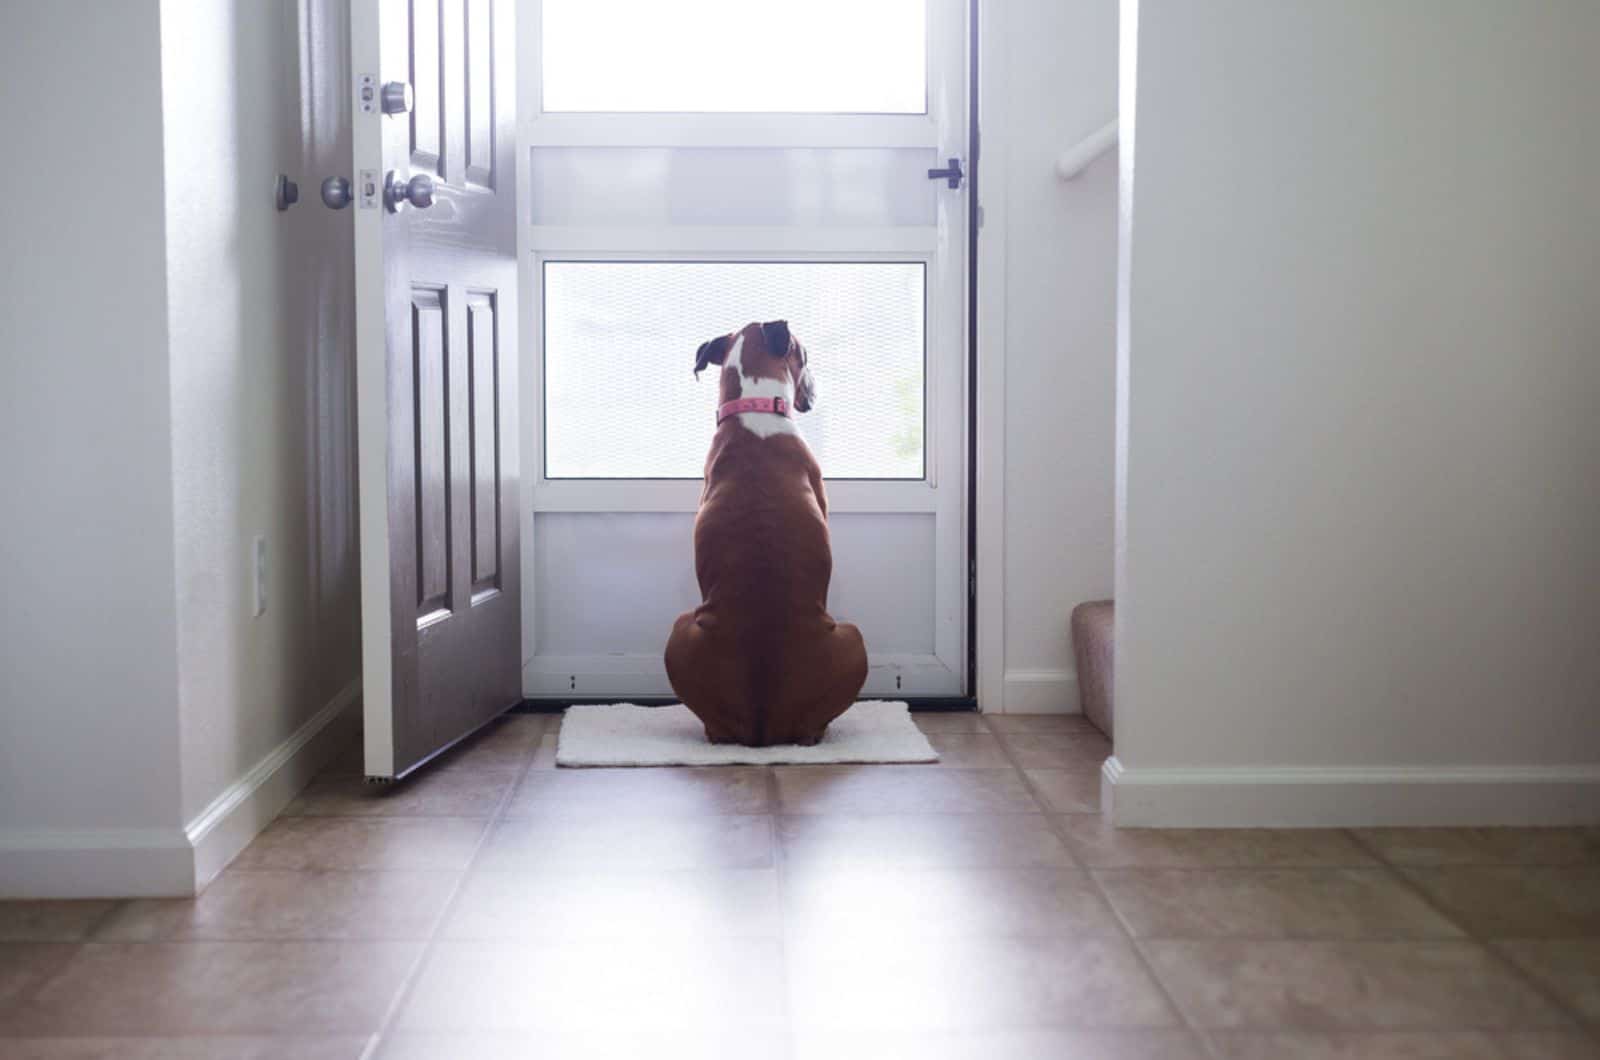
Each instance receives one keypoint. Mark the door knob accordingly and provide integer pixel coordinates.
(418, 191)
(336, 193)
(396, 97)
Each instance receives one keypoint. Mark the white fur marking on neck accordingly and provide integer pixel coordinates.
(761, 424)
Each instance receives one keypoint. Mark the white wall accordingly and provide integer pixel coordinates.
(262, 363)
(1049, 70)
(260, 390)
(88, 663)
(178, 378)
(1361, 517)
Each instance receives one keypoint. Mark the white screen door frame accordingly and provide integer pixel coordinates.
(602, 554)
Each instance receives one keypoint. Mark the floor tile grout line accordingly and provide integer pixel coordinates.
(1376, 853)
(99, 923)
(1139, 955)
(324, 940)
(315, 870)
(1038, 797)
(254, 940)
(31, 992)
(414, 974)
(383, 817)
(1242, 869)
(1086, 763)
(1483, 942)
(1088, 768)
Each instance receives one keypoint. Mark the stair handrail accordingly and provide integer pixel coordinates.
(1071, 163)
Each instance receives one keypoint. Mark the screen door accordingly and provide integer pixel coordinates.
(720, 163)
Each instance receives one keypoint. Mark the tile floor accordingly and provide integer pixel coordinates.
(980, 908)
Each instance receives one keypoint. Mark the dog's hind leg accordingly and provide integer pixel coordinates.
(842, 661)
(699, 670)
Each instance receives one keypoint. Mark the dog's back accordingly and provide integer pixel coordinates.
(760, 660)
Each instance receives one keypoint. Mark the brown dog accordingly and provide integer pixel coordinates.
(760, 660)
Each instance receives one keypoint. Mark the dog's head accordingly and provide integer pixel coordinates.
(766, 351)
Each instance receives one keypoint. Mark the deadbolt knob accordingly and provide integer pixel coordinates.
(336, 193)
(287, 192)
(396, 97)
(418, 191)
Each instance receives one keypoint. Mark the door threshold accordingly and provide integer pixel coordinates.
(551, 705)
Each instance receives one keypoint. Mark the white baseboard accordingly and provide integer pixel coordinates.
(175, 862)
(1335, 797)
(249, 804)
(1040, 692)
(95, 863)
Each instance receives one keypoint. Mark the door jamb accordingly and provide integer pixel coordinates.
(988, 460)
(372, 403)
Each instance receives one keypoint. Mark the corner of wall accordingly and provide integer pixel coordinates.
(90, 738)
(177, 862)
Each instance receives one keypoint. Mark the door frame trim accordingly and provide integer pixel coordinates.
(372, 405)
(974, 219)
(988, 463)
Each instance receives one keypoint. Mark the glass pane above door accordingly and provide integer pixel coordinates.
(735, 56)
(621, 400)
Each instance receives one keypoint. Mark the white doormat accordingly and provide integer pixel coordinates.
(623, 734)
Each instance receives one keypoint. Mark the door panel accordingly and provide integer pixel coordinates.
(426, 63)
(431, 412)
(437, 344)
(484, 390)
(478, 131)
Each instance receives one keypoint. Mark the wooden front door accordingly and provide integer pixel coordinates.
(433, 117)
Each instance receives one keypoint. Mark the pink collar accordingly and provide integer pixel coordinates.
(767, 404)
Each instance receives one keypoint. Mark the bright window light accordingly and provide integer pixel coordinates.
(800, 56)
(621, 399)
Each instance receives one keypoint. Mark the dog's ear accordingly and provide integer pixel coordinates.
(776, 335)
(713, 352)
(805, 389)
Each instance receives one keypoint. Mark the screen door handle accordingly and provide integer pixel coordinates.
(951, 174)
